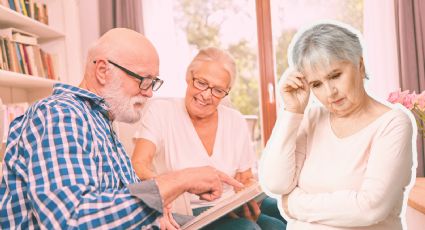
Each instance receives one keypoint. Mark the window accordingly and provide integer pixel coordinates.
(288, 16)
(179, 28)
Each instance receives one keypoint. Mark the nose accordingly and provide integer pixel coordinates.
(331, 90)
(207, 93)
(147, 92)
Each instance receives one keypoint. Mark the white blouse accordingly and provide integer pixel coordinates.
(167, 124)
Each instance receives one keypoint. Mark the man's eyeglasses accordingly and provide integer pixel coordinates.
(204, 85)
(145, 82)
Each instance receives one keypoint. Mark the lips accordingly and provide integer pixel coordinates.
(200, 102)
(337, 101)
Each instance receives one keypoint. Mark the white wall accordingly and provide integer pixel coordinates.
(89, 25)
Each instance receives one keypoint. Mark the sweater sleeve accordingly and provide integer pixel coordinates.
(284, 154)
(388, 172)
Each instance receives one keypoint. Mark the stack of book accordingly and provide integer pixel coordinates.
(21, 53)
(30, 8)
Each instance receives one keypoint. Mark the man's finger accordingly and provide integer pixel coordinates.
(170, 226)
(206, 196)
(229, 180)
(173, 221)
(162, 223)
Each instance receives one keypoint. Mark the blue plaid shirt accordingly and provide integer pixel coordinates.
(65, 169)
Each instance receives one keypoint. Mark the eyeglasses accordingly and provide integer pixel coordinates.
(203, 85)
(145, 82)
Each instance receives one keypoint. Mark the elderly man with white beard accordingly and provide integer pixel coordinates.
(64, 167)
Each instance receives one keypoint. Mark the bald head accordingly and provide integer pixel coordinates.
(123, 43)
(120, 45)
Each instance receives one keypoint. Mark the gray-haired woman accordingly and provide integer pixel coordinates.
(345, 164)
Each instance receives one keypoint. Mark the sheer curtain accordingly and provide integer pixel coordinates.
(171, 44)
(380, 48)
(120, 13)
(394, 38)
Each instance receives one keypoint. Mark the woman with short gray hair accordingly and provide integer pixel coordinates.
(346, 164)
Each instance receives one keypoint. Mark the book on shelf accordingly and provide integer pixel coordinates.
(17, 6)
(2, 62)
(27, 59)
(13, 59)
(23, 8)
(19, 36)
(5, 53)
(24, 39)
(227, 205)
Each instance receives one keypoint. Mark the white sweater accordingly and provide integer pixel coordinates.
(356, 182)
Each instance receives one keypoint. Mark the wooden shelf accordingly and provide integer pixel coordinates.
(11, 18)
(19, 80)
(417, 195)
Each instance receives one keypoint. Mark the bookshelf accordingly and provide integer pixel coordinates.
(18, 80)
(60, 37)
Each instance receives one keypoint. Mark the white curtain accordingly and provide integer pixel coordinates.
(381, 47)
(171, 44)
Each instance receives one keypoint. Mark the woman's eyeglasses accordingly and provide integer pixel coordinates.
(204, 85)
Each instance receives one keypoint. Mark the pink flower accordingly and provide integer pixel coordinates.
(409, 100)
(398, 96)
(420, 101)
(415, 103)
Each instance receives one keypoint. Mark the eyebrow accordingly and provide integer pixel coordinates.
(329, 75)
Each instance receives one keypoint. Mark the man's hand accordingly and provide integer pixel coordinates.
(207, 182)
(167, 221)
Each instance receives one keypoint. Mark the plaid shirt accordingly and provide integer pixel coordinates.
(65, 169)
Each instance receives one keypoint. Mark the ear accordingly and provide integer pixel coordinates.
(362, 68)
(101, 71)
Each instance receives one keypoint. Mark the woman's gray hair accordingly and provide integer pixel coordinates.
(324, 43)
(212, 54)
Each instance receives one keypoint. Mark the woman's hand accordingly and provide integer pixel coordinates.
(285, 205)
(295, 91)
(250, 210)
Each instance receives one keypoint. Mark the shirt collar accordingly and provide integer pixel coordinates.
(95, 100)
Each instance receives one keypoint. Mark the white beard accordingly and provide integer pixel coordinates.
(121, 106)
